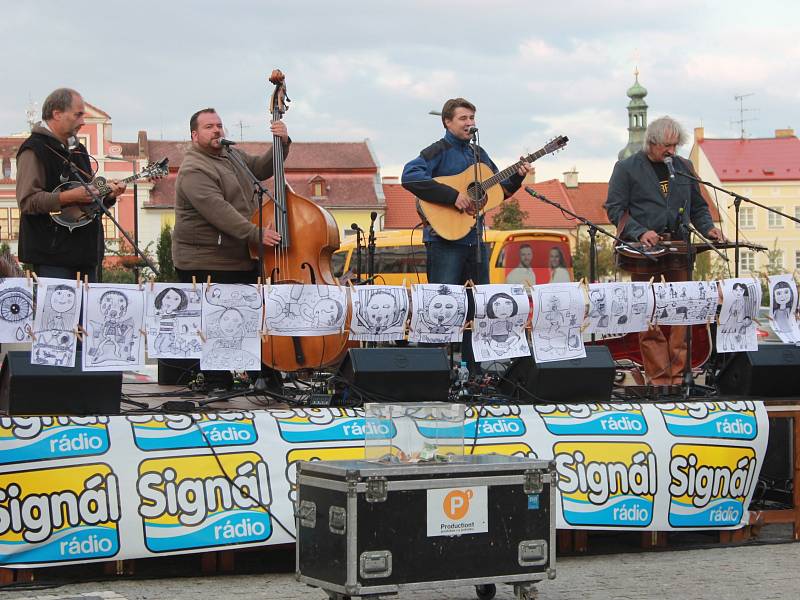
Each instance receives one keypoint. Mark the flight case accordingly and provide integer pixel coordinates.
(367, 528)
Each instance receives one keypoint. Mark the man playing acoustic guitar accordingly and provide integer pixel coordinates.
(454, 261)
(43, 163)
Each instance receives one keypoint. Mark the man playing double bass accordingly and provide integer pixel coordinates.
(214, 200)
(645, 204)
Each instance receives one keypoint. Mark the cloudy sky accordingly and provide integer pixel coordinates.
(374, 69)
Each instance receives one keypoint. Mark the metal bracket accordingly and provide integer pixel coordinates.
(534, 483)
(377, 489)
(375, 564)
(307, 514)
(337, 520)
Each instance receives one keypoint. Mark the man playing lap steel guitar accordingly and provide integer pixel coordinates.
(645, 202)
(454, 261)
(43, 164)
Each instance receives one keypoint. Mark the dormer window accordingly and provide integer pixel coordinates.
(319, 187)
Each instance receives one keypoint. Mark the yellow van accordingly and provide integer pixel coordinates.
(515, 256)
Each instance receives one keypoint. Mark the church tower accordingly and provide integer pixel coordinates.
(637, 118)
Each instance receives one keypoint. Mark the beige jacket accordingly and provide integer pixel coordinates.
(214, 201)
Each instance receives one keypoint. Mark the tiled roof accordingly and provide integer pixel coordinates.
(401, 207)
(303, 156)
(765, 159)
(346, 191)
(9, 146)
(540, 214)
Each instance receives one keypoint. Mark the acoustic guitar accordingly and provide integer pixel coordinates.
(73, 216)
(452, 224)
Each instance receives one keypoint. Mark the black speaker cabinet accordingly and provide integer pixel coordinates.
(397, 374)
(770, 372)
(27, 389)
(589, 379)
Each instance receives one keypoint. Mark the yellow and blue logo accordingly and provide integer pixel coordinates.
(725, 420)
(174, 432)
(710, 484)
(484, 422)
(28, 439)
(189, 502)
(59, 515)
(593, 419)
(300, 425)
(605, 483)
(311, 454)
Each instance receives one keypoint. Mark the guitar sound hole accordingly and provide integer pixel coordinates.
(476, 194)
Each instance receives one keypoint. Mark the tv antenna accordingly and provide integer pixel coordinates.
(242, 126)
(32, 113)
(742, 110)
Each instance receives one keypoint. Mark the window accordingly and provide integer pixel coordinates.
(4, 229)
(797, 216)
(747, 261)
(775, 221)
(746, 217)
(319, 188)
(797, 259)
(14, 224)
(109, 229)
(776, 259)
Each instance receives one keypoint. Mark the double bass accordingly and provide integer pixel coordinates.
(309, 236)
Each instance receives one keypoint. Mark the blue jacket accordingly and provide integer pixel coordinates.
(448, 156)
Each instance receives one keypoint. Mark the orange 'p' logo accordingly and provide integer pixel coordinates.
(456, 504)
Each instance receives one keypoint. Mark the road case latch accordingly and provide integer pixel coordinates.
(533, 482)
(375, 563)
(337, 519)
(377, 489)
(532, 553)
(307, 514)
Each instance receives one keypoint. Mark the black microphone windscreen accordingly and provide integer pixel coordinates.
(373, 215)
(354, 226)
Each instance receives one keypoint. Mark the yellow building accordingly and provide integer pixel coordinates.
(767, 170)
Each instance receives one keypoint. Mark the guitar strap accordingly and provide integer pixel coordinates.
(88, 176)
(622, 222)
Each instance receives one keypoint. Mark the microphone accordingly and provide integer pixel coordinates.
(473, 130)
(224, 142)
(531, 191)
(670, 166)
(372, 216)
(355, 227)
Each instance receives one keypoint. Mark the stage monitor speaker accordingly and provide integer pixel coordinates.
(398, 374)
(589, 379)
(768, 373)
(177, 371)
(27, 389)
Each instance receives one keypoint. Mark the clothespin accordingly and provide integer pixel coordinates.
(85, 281)
(28, 277)
(468, 326)
(29, 331)
(650, 282)
(208, 280)
(78, 333)
(663, 279)
(404, 282)
(143, 332)
(194, 283)
(35, 277)
(201, 335)
(469, 284)
(77, 280)
(152, 283)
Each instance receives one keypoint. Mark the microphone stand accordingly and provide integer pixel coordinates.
(737, 202)
(358, 253)
(98, 201)
(476, 201)
(260, 383)
(371, 248)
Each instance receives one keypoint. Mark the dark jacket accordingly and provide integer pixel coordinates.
(634, 188)
(41, 169)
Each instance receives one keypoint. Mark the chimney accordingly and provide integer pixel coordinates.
(142, 139)
(784, 133)
(571, 178)
(699, 134)
(530, 177)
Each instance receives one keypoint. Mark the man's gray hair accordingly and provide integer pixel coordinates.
(662, 130)
(60, 99)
